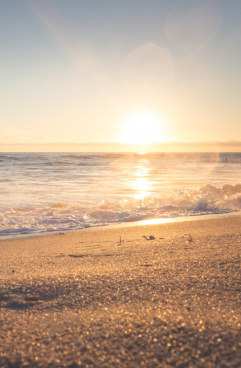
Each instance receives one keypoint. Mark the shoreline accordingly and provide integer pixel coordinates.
(154, 221)
(139, 296)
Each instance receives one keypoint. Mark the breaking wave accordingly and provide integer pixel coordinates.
(206, 200)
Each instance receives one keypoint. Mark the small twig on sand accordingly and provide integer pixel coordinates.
(151, 237)
(190, 239)
(120, 241)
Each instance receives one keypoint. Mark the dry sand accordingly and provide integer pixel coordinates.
(85, 300)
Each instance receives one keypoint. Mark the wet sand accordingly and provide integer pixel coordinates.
(91, 299)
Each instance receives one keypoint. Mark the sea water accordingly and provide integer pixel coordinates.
(41, 192)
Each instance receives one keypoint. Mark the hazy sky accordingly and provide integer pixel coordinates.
(77, 70)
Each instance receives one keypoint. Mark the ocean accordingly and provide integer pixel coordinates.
(43, 192)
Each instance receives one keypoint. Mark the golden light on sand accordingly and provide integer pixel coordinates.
(142, 128)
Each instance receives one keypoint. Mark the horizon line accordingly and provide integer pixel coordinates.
(114, 147)
(174, 142)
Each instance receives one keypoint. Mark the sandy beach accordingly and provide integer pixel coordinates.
(108, 297)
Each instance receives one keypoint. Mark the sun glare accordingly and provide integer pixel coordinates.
(142, 128)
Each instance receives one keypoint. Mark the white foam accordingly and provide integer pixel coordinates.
(58, 217)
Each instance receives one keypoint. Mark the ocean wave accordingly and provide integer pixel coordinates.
(206, 200)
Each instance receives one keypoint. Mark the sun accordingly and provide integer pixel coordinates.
(142, 128)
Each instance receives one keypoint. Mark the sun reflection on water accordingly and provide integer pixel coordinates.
(142, 184)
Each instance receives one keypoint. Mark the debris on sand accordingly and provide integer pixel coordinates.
(190, 239)
(32, 298)
(151, 237)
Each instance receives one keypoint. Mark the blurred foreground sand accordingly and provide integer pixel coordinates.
(85, 299)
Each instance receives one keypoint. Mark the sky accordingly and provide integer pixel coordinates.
(116, 72)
